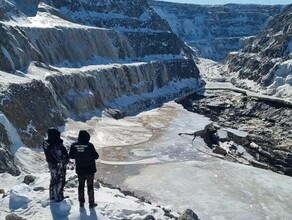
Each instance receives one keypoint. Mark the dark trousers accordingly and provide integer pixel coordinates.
(57, 183)
(89, 179)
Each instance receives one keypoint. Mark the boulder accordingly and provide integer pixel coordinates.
(113, 113)
(219, 150)
(28, 179)
(188, 214)
(39, 188)
(13, 216)
(149, 217)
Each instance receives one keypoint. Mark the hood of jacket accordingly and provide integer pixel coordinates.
(54, 136)
(83, 137)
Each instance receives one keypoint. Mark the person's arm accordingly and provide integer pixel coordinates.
(65, 155)
(93, 151)
(57, 153)
(72, 152)
(49, 154)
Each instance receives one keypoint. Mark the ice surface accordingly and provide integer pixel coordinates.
(216, 189)
(166, 169)
(237, 132)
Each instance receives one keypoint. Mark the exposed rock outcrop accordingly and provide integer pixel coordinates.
(188, 214)
(76, 59)
(6, 162)
(30, 113)
(28, 179)
(113, 14)
(266, 59)
(13, 216)
(258, 131)
(78, 32)
(215, 30)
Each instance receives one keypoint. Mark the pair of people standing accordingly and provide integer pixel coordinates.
(57, 157)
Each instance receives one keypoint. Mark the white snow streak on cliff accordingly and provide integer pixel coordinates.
(281, 86)
(12, 134)
(282, 82)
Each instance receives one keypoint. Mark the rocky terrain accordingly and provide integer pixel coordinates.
(86, 59)
(216, 30)
(267, 125)
(263, 66)
(266, 60)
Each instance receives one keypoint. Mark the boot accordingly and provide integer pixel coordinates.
(92, 205)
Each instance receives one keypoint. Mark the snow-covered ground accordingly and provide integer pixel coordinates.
(210, 70)
(32, 203)
(280, 89)
(282, 81)
(145, 154)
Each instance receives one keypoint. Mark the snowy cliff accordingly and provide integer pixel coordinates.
(79, 59)
(215, 30)
(77, 35)
(267, 60)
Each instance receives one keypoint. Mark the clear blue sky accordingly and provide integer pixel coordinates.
(216, 2)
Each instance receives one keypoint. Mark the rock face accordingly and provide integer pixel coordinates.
(215, 30)
(113, 14)
(266, 60)
(76, 33)
(188, 214)
(25, 117)
(86, 90)
(6, 162)
(13, 217)
(267, 124)
(84, 58)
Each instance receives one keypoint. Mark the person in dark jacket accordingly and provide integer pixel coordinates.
(57, 158)
(85, 155)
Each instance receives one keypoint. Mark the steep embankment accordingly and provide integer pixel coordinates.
(215, 30)
(267, 60)
(79, 58)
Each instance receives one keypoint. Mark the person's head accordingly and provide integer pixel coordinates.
(83, 137)
(54, 136)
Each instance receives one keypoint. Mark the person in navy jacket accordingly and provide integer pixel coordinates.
(85, 155)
